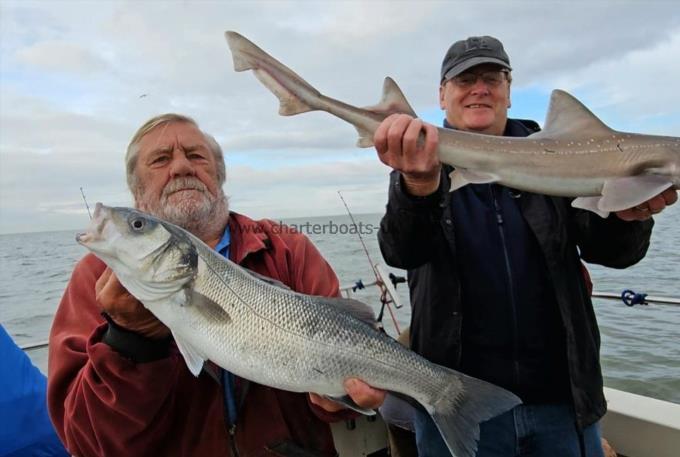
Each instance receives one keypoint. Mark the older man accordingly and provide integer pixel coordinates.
(117, 383)
(497, 287)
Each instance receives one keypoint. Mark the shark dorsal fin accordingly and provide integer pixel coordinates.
(569, 118)
(393, 100)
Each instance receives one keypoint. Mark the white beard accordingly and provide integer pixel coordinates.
(198, 211)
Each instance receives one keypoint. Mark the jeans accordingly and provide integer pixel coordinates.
(525, 431)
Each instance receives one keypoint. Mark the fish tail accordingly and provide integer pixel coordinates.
(463, 404)
(294, 93)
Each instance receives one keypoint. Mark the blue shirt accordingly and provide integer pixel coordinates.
(25, 427)
(227, 378)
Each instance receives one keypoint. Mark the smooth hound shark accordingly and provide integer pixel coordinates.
(575, 155)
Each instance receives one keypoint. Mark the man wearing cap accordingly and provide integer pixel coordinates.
(497, 287)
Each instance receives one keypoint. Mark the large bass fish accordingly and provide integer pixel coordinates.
(262, 331)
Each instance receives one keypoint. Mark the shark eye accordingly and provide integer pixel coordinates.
(137, 224)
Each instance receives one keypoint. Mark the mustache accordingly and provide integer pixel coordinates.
(186, 183)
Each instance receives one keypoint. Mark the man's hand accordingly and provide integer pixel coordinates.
(126, 310)
(645, 210)
(362, 394)
(396, 141)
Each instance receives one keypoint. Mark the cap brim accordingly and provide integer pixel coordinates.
(473, 62)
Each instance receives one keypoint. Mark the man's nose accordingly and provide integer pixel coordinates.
(479, 87)
(181, 165)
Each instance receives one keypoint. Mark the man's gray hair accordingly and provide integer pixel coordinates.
(133, 148)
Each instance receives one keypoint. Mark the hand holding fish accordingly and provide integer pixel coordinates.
(126, 310)
(655, 205)
(399, 145)
(361, 393)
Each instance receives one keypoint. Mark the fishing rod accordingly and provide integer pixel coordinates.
(632, 298)
(86, 205)
(387, 294)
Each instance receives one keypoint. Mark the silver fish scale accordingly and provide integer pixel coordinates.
(295, 342)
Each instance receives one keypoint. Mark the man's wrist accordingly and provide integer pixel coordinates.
(421, 187)
(134, 346)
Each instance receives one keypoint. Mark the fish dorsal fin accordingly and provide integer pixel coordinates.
(348, 305)
(267, 279)
(393, 100)
(569, 118)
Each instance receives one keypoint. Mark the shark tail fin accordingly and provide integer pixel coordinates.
(392, 101)
(462, 405)
(294, 93)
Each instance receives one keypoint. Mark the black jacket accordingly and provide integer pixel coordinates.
(418, 234)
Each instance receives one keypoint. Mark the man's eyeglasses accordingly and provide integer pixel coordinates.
(490, 78)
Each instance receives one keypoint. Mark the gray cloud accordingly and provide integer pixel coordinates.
(79, 77)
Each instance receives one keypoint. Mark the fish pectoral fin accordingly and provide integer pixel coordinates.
(192, 357)
(625, 193)
(590, 204)
(209, 309)
(462, 177)
(348, 403)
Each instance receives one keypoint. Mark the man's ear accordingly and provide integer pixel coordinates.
(509, 96)
(442, 104)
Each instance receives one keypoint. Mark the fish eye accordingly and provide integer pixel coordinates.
(138, 223)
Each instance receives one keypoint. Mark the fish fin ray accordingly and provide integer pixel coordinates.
(624, 193)
(192, 357)
(569, 118)
(464, 403)
(209, 308)
(347, 402)
(590, 204)
(461, 177)
(365, 138)
(267, 279)
(248, 56)
(356, 308)
(392, 101)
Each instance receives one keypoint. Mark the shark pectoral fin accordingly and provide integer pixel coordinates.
(461, 177)
(392, 101)
(192, 357)
(590, 204)
(348, 403)
(625, 193)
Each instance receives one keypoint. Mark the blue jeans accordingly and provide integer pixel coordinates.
(525, 431)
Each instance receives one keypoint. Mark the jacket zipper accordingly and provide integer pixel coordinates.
(229, 393)
(232, 440)
(513, 305)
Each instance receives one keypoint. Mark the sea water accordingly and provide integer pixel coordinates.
(640, 345)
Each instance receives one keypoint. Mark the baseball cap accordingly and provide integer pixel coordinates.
(476, 50)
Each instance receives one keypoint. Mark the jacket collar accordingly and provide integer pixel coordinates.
(247, 237)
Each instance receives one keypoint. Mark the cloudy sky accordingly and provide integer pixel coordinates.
(78, 78)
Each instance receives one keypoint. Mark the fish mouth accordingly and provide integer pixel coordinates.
(94, 231)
